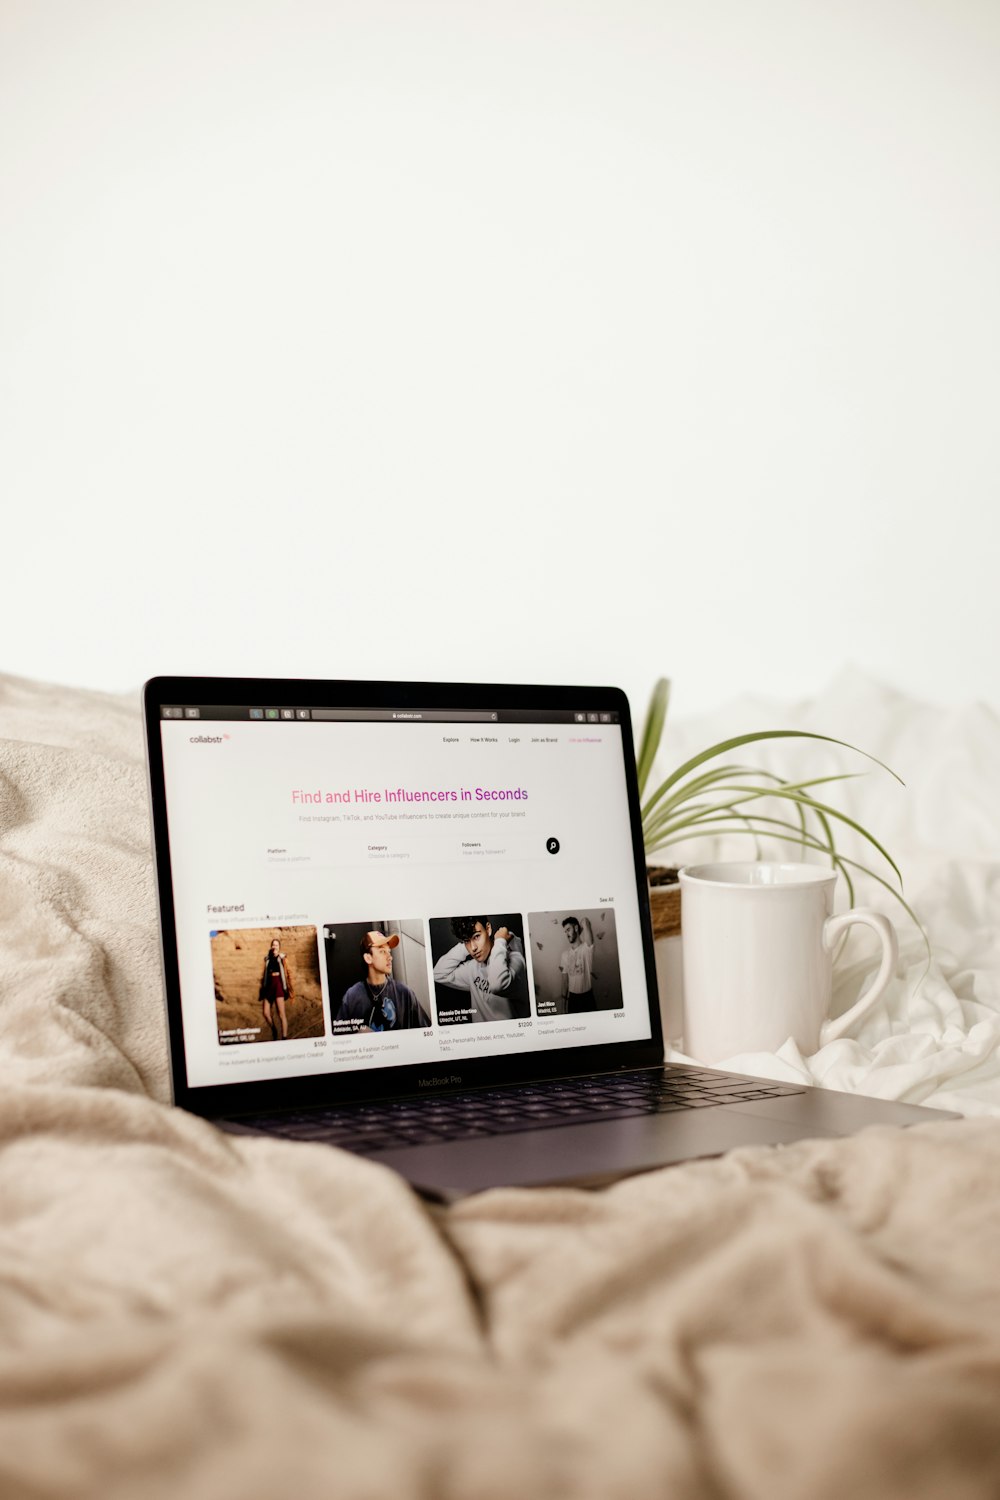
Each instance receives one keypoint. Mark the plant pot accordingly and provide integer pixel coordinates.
(665, 906)
(664, 901)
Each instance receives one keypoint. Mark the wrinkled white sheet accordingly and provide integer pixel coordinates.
(936, 1038)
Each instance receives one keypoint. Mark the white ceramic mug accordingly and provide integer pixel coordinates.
(758, 963)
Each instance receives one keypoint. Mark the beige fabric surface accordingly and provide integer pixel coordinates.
(188, 1313)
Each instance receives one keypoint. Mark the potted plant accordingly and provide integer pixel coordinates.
(699, 801)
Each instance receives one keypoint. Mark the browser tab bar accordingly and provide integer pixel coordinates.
(288, 714)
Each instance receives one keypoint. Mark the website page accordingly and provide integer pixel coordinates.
(383, 891)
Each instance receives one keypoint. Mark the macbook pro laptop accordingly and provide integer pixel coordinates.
(412, 920)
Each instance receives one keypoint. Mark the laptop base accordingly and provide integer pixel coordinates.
(598, 1151)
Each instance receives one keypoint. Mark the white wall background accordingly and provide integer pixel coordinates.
(502, 339)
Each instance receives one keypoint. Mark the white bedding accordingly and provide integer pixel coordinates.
(936, 1039)
(183, 1312)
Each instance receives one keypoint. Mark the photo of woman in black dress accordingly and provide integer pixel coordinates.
(275, 988)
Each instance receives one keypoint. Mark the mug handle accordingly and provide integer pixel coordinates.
(832, 1031)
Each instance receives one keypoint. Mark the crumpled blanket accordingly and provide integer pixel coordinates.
(184, 1312)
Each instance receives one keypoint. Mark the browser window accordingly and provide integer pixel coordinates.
(359, 889)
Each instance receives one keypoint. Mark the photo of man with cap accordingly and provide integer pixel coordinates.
(378, 1002)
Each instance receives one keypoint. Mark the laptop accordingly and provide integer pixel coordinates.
(412, 920)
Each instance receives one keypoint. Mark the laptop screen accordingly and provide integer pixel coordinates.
(359, 888)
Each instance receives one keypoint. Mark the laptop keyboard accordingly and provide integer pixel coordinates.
(381, 1126)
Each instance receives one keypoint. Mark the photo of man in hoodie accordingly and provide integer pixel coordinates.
(480, 973)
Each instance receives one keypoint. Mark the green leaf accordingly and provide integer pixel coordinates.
(790, 793)
(652, 730)
(833, 812)
(824, 824)
(749, 739)
(666, 810)
(699, 831)
(709, 778)
(671, 808)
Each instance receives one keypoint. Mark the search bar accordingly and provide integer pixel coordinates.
(407, 715)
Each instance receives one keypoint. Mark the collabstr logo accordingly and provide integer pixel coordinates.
(208, 739)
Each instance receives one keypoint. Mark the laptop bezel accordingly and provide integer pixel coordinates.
(229, 1100)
